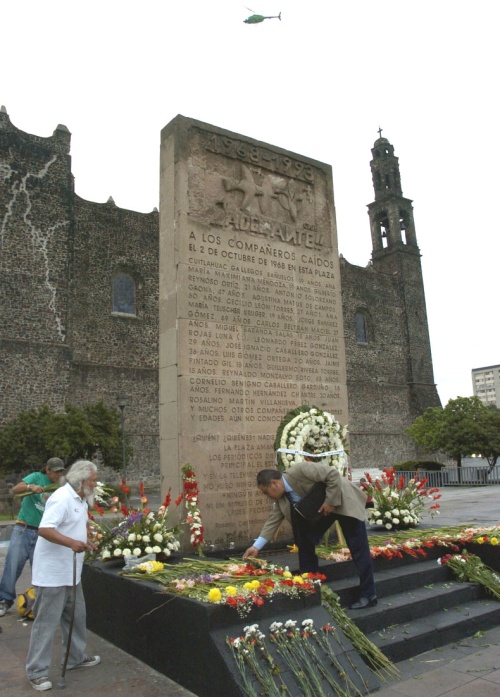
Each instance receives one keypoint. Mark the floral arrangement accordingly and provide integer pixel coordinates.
(399, 505)
(144, 531)
(190, 495)
(239, 585)
(296, 650)
(469, 567)
(141, 532)
(308, 430)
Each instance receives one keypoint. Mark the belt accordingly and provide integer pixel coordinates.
(25, 525)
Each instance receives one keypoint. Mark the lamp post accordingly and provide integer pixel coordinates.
(122, 401)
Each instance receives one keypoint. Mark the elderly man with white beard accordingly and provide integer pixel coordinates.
(62, 536)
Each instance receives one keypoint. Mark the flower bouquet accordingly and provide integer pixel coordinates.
(309, 431)
(469, 567)
(236, 584)
(399, 505)
(141, 532)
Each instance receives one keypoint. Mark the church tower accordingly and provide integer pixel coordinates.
(391, 215)
(395, 251)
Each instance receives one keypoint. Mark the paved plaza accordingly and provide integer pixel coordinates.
(471, 666)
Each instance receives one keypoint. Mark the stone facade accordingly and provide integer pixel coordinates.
(70, 333)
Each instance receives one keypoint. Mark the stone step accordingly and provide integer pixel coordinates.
(421, 606)
(402, 641)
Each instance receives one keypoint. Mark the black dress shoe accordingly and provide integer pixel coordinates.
(362, 603)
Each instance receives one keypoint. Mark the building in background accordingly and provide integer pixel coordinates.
(79, 300)
(486, 384)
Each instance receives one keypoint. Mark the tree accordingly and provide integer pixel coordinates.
(34, 436)
(465, 426)
(491, 435)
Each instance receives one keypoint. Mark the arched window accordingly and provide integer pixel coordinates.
(123, 287)
(361, 329)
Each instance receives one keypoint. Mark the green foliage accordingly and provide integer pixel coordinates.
(464, 427)
(79, 432)
(413, 465)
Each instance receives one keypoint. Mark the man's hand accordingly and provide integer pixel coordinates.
(251, 552)
(326, 509)
(79, 546)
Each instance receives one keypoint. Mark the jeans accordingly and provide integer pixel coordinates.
(21, 548)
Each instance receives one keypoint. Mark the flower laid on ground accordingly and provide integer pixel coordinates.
(371, 653)
(308, 430)
(140, 532)
(469, 567)
(297, 649)
(400, 504)
(416, 542)
(235, 584)
(190, 495)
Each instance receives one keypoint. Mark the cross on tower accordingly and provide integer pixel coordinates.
(379, 132)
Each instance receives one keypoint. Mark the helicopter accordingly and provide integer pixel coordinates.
(257, 19)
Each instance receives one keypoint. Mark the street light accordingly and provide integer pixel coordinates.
(122, 401)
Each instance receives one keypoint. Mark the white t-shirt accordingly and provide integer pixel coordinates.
(52, 563)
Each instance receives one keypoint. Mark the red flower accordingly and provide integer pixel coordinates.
(168, 498)
(124, 487)
(99, 509)
(286, 582)
(179, 499)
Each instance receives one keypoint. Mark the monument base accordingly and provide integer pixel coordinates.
(187, 640)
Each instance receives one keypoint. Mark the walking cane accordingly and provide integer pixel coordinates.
(61, 683)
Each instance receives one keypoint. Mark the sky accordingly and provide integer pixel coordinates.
(320, 83)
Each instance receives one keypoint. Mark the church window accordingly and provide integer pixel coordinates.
(361, 329)
(123, 287)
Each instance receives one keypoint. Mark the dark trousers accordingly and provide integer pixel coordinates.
(307, 536)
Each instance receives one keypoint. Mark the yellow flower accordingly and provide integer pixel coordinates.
(298, 579)
(251, 585)
(151, 567)
(480, 540)
(287, 574)
(494, 540)
(231, 590)
(214, 595)
(293, 549)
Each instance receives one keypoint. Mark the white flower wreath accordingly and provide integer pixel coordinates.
(308, 431)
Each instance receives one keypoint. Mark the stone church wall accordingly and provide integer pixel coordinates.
(61, 342)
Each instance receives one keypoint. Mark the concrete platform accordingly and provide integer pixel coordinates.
(464, 668)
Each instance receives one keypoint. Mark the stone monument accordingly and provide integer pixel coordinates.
(250, 312)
